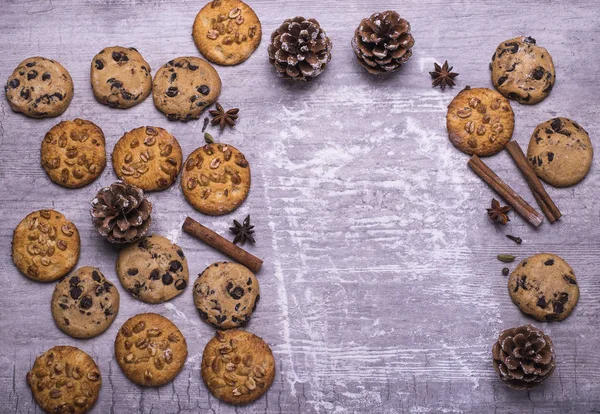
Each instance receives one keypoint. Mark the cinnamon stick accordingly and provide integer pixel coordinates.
(539, 192)
(197, 230)
(508, 194)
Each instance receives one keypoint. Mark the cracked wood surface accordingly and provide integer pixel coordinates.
(380, 289)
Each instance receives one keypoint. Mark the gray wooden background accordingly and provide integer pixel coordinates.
(380, 290)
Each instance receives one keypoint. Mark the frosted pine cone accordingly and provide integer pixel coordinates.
(382, 43)
(523, 357)
(300, 49)
(121, 213)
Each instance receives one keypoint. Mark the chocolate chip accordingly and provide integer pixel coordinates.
(549, 262)
(167, 279)
(119, 57)
(541, 302)
(200, 103)
(255, 303)
(59, 96)
(220, 319)
(523, 282)
(180, 284)
(237, 306)
(30, 64)
(550, 156)
(127, 96)
(116, 84)
(505, 271)
(204, 89)
(108, 312)
(63, 306)
(494, 56)
(551, 317)
(66, 321)
(549, 131)
(249, 282)
(32, 74)
(14, 83)
(99, 290)
(172, 91)
(96, 276)
(193, 98)
(25, 94)
(173, 77)
(501, 80)
(564, 297)
(576, 125)
(180, 253)
(144, 244)
(558, 306)
(192, 67)
(74, 280)
(548, 88)
(203, 315)
(512, 47)
(155, 275)
(132, 271)
(234, 319)
(175, 266)
(529, 39)
(512, 95)
(46, 76)
(538, 73)
(556, 124)
(86, 302)
(570, 280)
(99, 65)
(236, 293)
(75, 292)
(107, 286)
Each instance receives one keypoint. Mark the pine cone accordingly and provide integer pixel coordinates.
(382, 43)
(121, 213)
(523, 357)
(300, 49)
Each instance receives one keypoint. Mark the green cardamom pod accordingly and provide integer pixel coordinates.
(506, 258)
(208, 138)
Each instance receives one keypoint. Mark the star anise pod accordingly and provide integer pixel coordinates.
(222, 117)
(243, 232)
(498, 213)
(443, 75)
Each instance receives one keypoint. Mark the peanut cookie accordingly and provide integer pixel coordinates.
(561, 152)
(522, 71)
(84, 304)
(216, 179)
(184, 87)
(479, 121)
(65, 379)
(153, 270)
(237, 367)
(147, 157)
(120, 77)
(150, 349)
(39, 88)
(73, 153)
(226, 294)
(545, 287)
(45, 246)
(227, 32)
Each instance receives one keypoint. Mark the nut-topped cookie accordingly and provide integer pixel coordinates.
(147, 157)
(560, 152)
(227, 32)
(153, 270)
(120, 77)
(184, 87)
(226, 294)
(522, 71)
(73, 153)
(45, 246)
(237, 367)
(150, 349)
(85, 303)
(480, 121)
(216, 179)
(65, 379)
(39, 88)
(544, 286)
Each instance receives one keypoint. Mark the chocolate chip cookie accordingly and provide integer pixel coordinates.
(226, 294)
(65, 379)
(522, 71)
(479, 121)
(147, 157)
(153, 270)
(150, 349)
(237, 367)
(73, 153)
(216, 179)
(184, 87)
(545, 287)
(561, 152)
(227, 32)
(85, 303)
(39, 88)
(45, 246)
(120, 77)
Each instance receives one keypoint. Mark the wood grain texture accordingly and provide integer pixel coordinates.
(381, 288)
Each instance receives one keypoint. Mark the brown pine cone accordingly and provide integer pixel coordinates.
(300, 49)
(121, 213)
(523, 357)
(382, 43)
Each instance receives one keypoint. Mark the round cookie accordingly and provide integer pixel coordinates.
(184, 87)
(45, 246)
(216, 179)
(65, 379)
(545, 287)
(227, 32)
(561, 152)
(84, 304)
(480, 121)
(73, 153)
(150, 349)
(237, 367)
(120, 77)
(226, 294)
(522, 71)
(147, 157)
(39, 88)
(153, 270)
